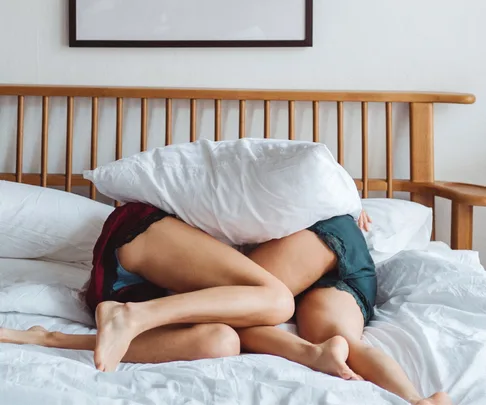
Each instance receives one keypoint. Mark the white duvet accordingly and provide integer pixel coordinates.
(431, 318)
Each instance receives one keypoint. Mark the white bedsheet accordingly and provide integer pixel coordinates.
(432, 319)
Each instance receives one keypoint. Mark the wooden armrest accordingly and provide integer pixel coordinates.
(464, 197)
(461, 193)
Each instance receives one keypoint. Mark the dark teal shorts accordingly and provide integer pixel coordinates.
(355, 272)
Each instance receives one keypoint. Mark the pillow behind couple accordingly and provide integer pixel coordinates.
(241, 192)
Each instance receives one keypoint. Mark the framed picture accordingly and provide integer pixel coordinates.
(190, 23)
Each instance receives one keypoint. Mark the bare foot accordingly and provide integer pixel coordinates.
(332, 359)
(34, 336)
(441, 398)
(115, 332)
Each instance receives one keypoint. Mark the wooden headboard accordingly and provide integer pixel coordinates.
(421, 184)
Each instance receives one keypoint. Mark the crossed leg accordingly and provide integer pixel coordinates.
(215, 284)
(330, 322)
(298, 260)
(326, 312)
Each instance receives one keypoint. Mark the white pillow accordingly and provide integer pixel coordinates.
(241, 192)
(43, 288)
(397, 225)
(40, 222)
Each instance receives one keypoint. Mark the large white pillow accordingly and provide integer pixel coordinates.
(397, 225)
(241, 192)
(39, 222)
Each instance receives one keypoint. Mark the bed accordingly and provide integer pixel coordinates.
(431, 313)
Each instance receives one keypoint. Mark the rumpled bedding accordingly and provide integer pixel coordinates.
(430, 317)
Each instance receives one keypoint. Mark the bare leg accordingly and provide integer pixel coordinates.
(328, 357)
(169, 343)
(298, 260)
(327, 312)
(216, 284)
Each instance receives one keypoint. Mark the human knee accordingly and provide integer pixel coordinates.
(281, 304)
(219, 340)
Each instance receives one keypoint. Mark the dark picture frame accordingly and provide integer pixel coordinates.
(74, 42)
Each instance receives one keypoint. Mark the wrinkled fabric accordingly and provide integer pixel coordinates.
(430, 317)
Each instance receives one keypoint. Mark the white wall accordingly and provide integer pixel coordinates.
(373, 44)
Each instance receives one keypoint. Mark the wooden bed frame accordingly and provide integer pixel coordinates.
(421, 185)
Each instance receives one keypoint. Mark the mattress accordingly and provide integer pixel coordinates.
(430, 317)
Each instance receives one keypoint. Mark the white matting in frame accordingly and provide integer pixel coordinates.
(191, 22)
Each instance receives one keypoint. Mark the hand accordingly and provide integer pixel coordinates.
(364, 221)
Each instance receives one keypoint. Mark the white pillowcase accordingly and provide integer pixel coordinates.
(397, 225)
(39, 222)
(240, 192)
(43, 288)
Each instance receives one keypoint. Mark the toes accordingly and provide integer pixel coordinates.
(347, 374)
(105, 368)
(356, 377)
(109, 367)
(99, 365)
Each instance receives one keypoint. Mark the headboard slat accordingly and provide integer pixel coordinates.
(291, 120)
(119, 133)
(144, 124)
(168, 122)
(242, 120)
(389, 149)
(340, 126)
(193, 120)
(364, 147)
(20, 139)
(119, 128)
(69, 143)
(266, 119)
(94, 143)
(45, 140)
(315, 121)
(217, 120)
